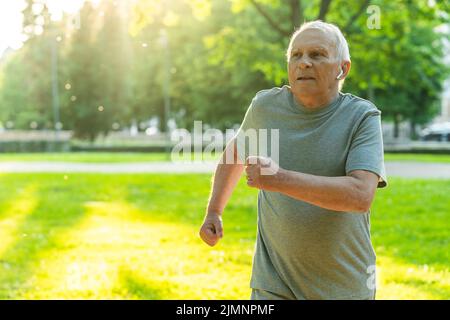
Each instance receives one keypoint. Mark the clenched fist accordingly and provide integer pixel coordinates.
(262, 173)
(212, 229)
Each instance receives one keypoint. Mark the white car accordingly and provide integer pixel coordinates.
(436, 132)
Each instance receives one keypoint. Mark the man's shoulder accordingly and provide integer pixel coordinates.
(359, 106)
(266, 97)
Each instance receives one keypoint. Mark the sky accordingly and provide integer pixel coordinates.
(11, 19)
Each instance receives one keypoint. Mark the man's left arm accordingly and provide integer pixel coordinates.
(351, 193)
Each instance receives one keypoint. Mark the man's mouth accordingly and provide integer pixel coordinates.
(305, 78)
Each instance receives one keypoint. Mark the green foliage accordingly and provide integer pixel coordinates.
(399, 66)
(25, 95)
(404, 71)
(97, 72)
(219, 54)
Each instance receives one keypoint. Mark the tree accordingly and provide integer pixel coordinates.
(399, 67)
(204, 86)
(26, 92)
(83, 112)
(221, 53)
(97, 72)
(114, 50)
(14, 95)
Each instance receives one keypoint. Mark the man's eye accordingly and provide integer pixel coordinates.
(315, 54)
(296, 54)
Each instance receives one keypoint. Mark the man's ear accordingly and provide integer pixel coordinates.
(346, 66)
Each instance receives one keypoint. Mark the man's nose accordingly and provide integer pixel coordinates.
(304, 63)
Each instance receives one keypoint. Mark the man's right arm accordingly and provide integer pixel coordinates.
(225, 180)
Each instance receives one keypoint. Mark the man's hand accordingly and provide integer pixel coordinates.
(212, 229)
(262, 173)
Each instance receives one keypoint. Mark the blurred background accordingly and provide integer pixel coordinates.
(95, 94)
(102, 71)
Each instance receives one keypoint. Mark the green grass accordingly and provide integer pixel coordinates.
(136, 237)
(440, 158)
(98, 157)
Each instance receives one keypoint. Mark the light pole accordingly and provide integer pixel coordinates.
(55, 91)
(166, 86)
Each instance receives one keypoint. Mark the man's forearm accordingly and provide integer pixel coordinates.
(225, 179)
(344, 193)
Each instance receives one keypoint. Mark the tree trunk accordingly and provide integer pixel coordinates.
(296, 14)
(413, 129)
(370, 92)
(324, 6)
(396, 125)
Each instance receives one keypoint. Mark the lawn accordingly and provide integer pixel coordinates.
(442, 158)
(99, 157)
(135, 237)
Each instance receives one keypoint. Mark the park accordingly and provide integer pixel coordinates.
(98, 97)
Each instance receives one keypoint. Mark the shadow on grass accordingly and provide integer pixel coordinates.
(58, 208)
(138, 288)
(9, 190)
(183, 198)
(432, 287)
(405, 226)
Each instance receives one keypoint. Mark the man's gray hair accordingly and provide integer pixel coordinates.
(342, 51)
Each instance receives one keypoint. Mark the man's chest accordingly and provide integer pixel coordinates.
(317, 149)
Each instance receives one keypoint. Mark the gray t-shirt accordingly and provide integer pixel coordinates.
(304, 251)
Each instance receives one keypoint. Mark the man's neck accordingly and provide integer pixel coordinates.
(316, 102)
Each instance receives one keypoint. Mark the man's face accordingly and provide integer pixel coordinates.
(313, 66)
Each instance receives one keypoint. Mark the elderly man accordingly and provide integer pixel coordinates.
(313, 238)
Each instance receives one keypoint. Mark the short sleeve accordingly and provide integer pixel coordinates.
(366, 148)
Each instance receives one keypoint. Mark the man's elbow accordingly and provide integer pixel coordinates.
(364, 202)
(363, 189)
